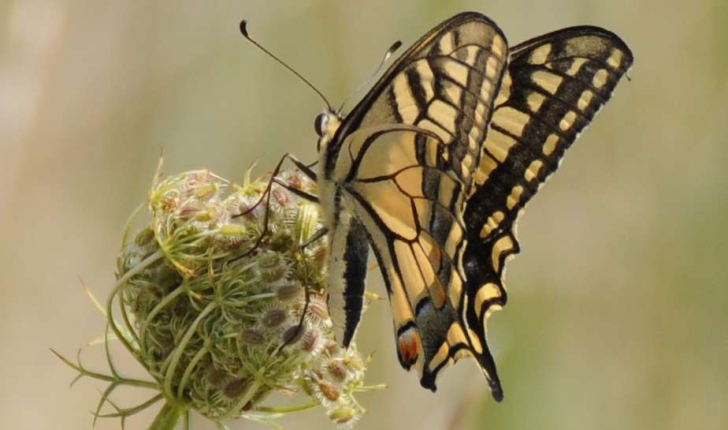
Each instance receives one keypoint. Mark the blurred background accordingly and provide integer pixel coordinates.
(617, 312)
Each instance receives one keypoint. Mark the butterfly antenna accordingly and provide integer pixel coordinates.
(244, 31)
(387, 55)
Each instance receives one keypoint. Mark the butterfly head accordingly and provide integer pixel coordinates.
(326, 124)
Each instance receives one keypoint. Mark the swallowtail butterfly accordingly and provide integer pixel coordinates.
(433, 167)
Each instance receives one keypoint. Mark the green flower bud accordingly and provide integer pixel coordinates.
(211, 301)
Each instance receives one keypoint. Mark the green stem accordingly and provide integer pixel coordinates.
(158, 308)
(179, 349)
(117, 291)
(168, 417)
(191, 367)
(286, 409)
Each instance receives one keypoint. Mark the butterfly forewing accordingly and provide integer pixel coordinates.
(404, 159)
(445, 84)
(435, 164)
(555, 85)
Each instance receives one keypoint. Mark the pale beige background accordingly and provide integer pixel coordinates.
(617, 313)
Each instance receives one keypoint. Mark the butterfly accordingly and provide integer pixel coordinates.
(432, 168)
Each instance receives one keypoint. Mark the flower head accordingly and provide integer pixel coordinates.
(222, 304)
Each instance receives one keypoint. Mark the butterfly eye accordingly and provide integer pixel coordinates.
(318, 123)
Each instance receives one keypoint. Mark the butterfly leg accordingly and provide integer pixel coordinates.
(266, 196)
(300, 193)
(307, 171)
(316, 236)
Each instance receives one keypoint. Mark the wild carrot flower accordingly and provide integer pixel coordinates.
(220, 301)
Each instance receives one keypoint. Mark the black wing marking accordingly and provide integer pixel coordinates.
(444, 83)
(404, 192)
(444, 86)
(556, 83)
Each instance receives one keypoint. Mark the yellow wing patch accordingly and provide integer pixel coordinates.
(438, 160)
(554, 86)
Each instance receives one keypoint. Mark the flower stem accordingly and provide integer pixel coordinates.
(168, 417)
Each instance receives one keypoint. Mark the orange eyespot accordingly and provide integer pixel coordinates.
(408, 347)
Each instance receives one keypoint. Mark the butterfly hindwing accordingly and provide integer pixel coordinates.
(433, 167)
(555, 85)
(406, 196)
(404, 160)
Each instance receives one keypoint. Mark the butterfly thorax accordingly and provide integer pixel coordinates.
(326, 125)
